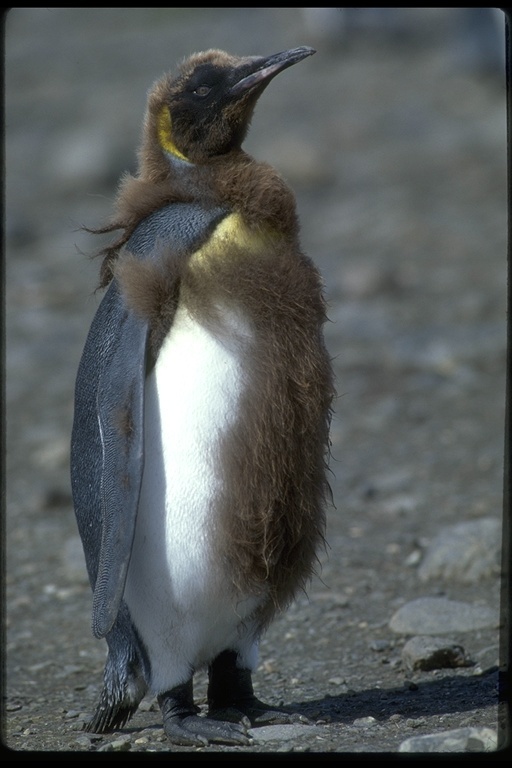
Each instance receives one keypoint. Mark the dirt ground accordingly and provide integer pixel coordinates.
(393, 138)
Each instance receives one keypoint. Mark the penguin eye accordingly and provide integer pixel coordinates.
(202, 90)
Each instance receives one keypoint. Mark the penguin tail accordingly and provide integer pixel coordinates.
(110, 715)
(119, 700)
(124, 686)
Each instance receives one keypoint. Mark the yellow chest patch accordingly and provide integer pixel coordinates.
(232, 234)
(164, 129)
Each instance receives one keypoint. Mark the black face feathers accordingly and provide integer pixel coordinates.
(205, 110)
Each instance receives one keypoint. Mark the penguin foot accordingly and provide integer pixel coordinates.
(183, 726)
(231, 696)
(260, 713)
(199, 731)
(256, 713)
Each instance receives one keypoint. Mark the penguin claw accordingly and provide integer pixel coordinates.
(230, 715)
(260, 717)
(270, 716)
(198, 731)
(257, 713)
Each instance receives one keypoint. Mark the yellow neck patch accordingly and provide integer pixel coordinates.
(164, 128)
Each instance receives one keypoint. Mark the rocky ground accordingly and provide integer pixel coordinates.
(393, 137)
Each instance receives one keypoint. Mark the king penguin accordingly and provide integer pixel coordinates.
(203, 398)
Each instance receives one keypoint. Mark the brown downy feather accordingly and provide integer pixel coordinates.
(253, 189)
(271, 518)
(136, 199)
(151, 289)
(275, 456)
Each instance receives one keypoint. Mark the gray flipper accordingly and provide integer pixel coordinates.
(120, 406)
(107, 451)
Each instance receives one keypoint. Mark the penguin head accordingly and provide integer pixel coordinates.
(204, 111)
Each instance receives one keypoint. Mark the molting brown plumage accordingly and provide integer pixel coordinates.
(247, 284)
(218, 171)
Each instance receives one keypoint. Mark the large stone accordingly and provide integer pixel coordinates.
(459, 740)
(438, 615)
(284, 732)
(466, 552)
(427, 653)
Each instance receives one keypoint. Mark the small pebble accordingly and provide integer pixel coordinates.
(72, 714)
(362, 722)
(83, 741)
(380, 645)
(415, 722)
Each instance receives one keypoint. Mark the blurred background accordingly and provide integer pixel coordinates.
(393, 137)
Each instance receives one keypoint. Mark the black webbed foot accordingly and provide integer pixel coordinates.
(183, 726)
(200, 731)
(231, 697)
(256, 713)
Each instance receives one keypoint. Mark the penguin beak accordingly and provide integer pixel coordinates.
(259, 71)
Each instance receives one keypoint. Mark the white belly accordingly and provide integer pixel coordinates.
(178, 595)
